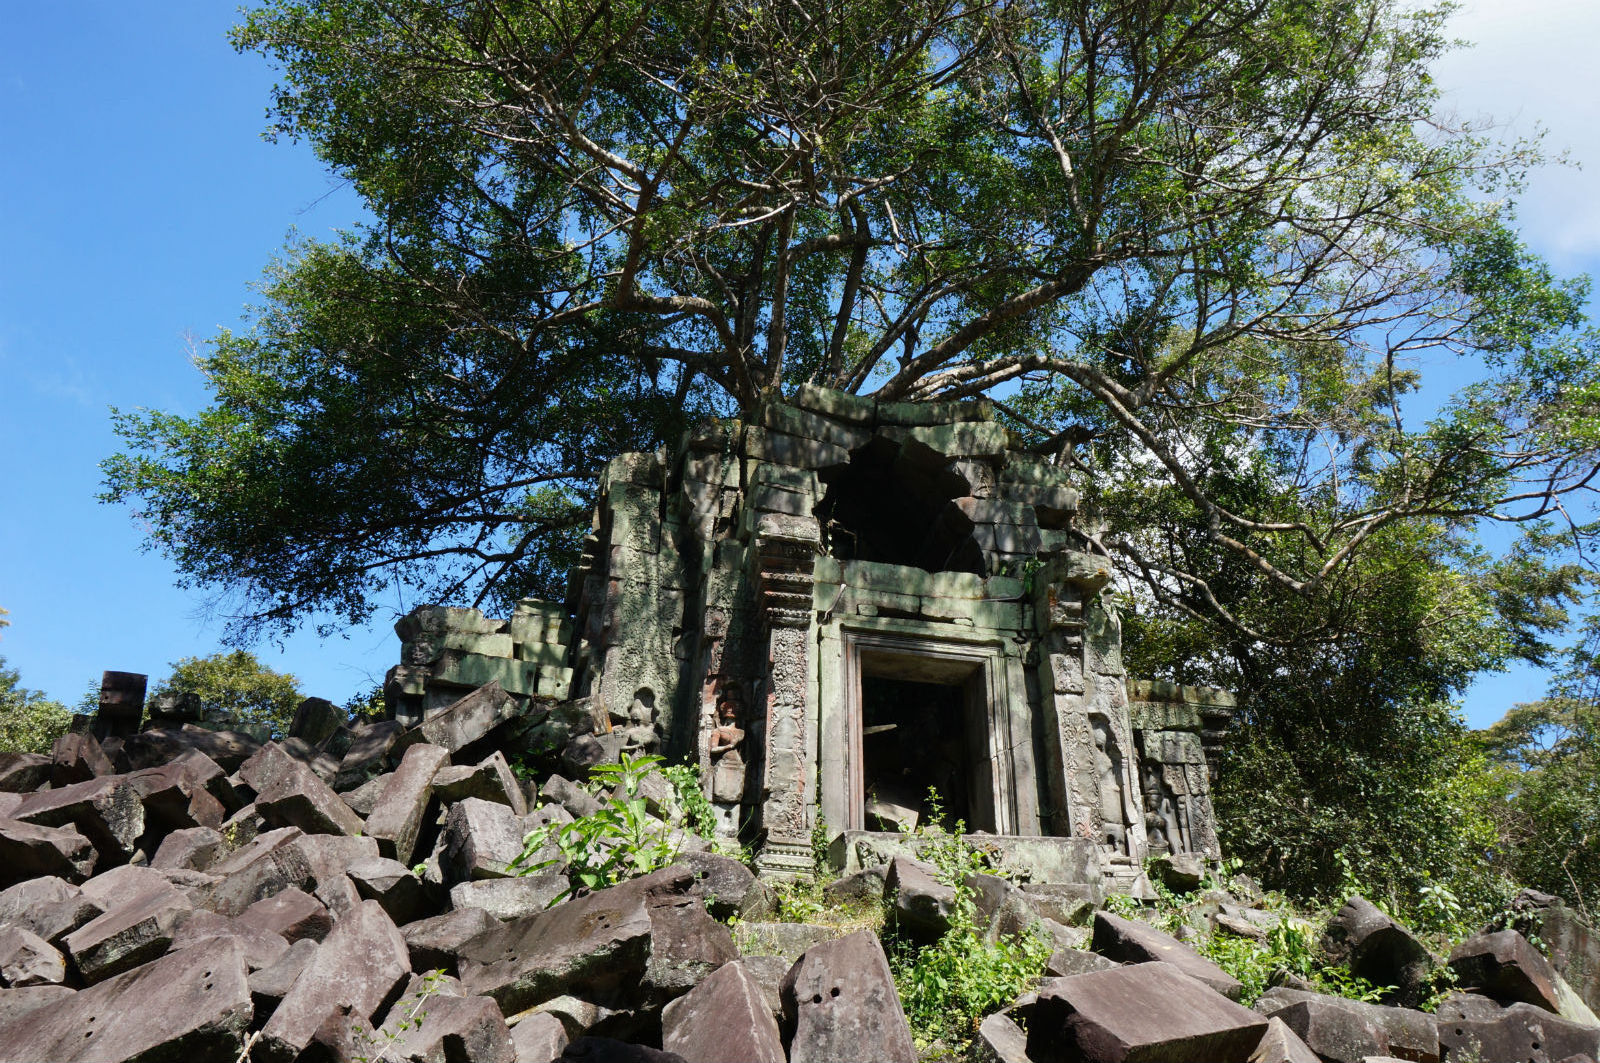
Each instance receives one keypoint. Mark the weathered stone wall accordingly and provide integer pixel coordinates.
(734, 593)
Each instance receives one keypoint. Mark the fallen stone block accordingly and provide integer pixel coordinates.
(77, 757)
(922, 904)
(720, 881)
(368, 754)
(28, 850)
(610, 1050)
(597, 945)
(403, 895)
(23, 773)
(292, 914)
(724, 1019)
(271, 984)
(839, 1002)
(289, 794)
(1375, 947)
(105, 810)
(397, 817)
(480, 840)
(133, 932)
(1281, 1045)
(15, 1003)
(26, 959)
(444, 1028)
(363, 800)
(786, 940)
(192, 848)
(860, 889)
(328, 856)
(434, 943)
(261, 948)
(1068, 903)
(1179, 872)
(686, 946)
(1000, 1040)
(490, 779)
(152, 748)
(538, 1038)
(21, 903)
(1000, 909)
(1064, 963)
(1127, 941)
(570, 796)
(466, 721)
(1506, 966)
(1348, 1031)
(192, 1005)
(358, 966)
(508, 898)
(1522, 1031)
(315, 720)
(1146, 1011)
(1573, 945)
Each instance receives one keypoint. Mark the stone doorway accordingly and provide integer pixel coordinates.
(915, 739)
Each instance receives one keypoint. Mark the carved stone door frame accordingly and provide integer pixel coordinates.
(997, 719)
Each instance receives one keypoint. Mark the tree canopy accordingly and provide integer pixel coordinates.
(234, 683)
(1214, 244)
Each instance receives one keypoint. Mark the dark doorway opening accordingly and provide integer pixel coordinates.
(913, 739)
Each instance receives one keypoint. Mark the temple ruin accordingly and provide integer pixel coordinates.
(837, 607)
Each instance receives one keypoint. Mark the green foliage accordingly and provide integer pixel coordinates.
(1290, 949)
(237, 684)
(410, 1012)
(946, 989)
(1195, 229)
(29, 721)
(619, 841)
(1545, 795)
(693, 804)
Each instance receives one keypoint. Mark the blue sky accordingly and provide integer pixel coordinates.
(138, 202)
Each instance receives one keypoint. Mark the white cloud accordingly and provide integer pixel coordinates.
(1531, 66)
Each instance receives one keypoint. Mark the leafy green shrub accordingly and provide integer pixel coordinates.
(620, 841)
(692, 801)
(29, 721)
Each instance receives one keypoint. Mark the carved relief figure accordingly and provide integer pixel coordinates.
(727, 760)
(640, 736)
(1108, 775)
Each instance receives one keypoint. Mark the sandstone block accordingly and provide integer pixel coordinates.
(686, 945)
(922, 904)
(720, 880)
(508, 898)
(403, 895)
(1506, 966)
(368, 754)
(1377, 948)
(480, 840)
(724, 1019)
(15, 1003)
(1127, 941)
(397, 817)
(106, 810)
(359, 965)
(26, 959)
(135, 931)
(270, 984)
(1147, 1011)
(158, 746)
(787, 940)
(292, 914)
(289, 794)
(21, 904)
(839, 1002)
(28, 850)
(315, 720)
(192, 848)
(23, 773)
(1281, 1045)
(434, 943)
(597, 945)
(489, 780)
(464, 722)
(77, 757)
(539, 1038)
(1522, 1031)
(570, 796)
(1066, 962)
(191, 1005)
(445, 1028)
(1347, 1031)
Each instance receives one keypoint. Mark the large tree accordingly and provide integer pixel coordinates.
(1208, 230)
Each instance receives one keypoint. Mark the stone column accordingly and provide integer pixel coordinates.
(121, 704)
(785, 550)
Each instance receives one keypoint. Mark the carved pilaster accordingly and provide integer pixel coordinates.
(786, 555)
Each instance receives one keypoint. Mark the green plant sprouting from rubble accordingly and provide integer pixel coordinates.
(621, 840)
(946, 989)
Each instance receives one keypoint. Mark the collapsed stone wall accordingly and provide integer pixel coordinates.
(736, 592)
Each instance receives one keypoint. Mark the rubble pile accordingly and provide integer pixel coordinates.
(345, 893)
